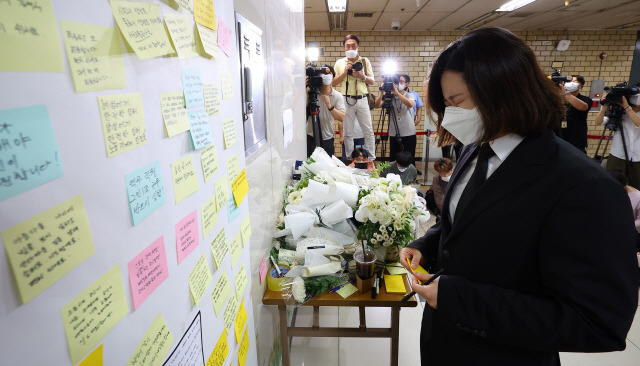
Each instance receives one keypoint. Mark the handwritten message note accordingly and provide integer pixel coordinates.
(94, 55)
(233, 168)
(240, 187)
(29, 154)
(94, 358)
(209, 216)
(221, 292)
(235, 248)
(145, 191)
(189, 350)
(192, 85)
(209, 161)
(209, 40)
(245, 229)
(226, 77)
(122, 122)
(219, 248)
(229, 132)
(199, 279)
(204, 13)
(91, 315)
(222, 192)
(147, 271)
(244, 348)
(233, 211)
(220, 351)
(182, 33)
(263, 269)
(185, 4)
(187, 235)
(185, 182)
(200, 132)
(174, 113)
(240, 281)
(154, 345)
(224, 37)
(241, 320)
(229, 314)
(142, 27)
(29, 37)
(45, 247)
(211, 99)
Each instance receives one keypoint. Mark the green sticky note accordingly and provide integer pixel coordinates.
(199, 279)
(219, 248)
(347, 290)
(235, 248)
(142, 27)
(154, 346)
(122, 122)
(221, 291)
(182, 31)
(209, 216)
(185, 182)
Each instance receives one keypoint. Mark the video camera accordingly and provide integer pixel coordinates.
(557, 77)
(617, 92)
(388, 81)
(315, 75)
(356, 66)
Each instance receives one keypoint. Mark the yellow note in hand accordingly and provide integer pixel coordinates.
(418, 270)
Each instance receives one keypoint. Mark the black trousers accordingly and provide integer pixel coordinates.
(408, 144)
(327, 145)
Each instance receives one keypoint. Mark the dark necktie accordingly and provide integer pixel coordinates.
(478, 177)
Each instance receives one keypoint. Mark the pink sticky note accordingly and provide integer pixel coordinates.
(147, 271)
(263, 269)
(224, 37)
(187, 236)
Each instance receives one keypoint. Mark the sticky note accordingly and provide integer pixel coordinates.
(240, 281)
(418, 270)
(229, 132)
(209, 215)
(94, 358)
(185, 182)
(193, 89)
(347, 290)
(263, 269)
(233, 211)
(233, 167)
(29, 151)
(182, 31)
(208, 40)
(240, 187)
(226, 77)
(47, 246)
(200, 131)
(219, 248)
(220, 351)
(230, 312)
(187, 235)
(29, 37)
(204, 13)
(241, 320)
(199, 279)
(244, 348)
(189, 350)
(185, 4)
(209, 161)
(221, 291)
(93, 313)
(145, 191)
(245, 229)
(142, 28)
(211, 99)
(235, 248)
(224, 37)
(154, 346)
(174, 113)
(122, 122)
(222, 192)
(94, 55)
(395, 268)
(394, 284)
(147, 271)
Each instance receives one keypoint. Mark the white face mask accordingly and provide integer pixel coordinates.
(634, 99)
(571, 87)
(401, 86)
(402, 170)
(463, 124)
(446, 179)
(351, 53)
(327, 79)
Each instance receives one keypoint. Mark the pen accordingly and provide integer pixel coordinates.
(316, 247)
(431, 279)
(341, 286)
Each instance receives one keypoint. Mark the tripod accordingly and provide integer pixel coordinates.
(313, 110)
(388, 115)
(615, 114)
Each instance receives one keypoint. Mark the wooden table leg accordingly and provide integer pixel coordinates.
(363, 319)
(284, 335)
(395, 334)
(316, 317)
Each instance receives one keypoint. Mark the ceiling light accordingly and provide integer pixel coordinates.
(313, 54)
(337, 6)
(514, 4)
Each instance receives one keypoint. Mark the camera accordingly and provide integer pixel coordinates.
(395, 25)
(617, 92)
(388, 81)
(356, 66)
(315, 75)
(557, 77)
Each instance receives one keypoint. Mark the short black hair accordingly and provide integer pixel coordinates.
(406, 78)
(403, 159)
(618, 175)
(580, 79)
(358, 152)
(333, 72)
(351, 36)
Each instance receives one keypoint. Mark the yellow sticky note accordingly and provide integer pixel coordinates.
(222, 192)
(245, 228)
(208, 40)
(220, 351)
(185, 182)
(94, 359)
(230, 312)
(154, 346)
(185, 4)
(219, 248)
(94, 55)
(240, 187)
(174, 113)
(199, 279)
(142, 27)
(209, 161)
(396, 268)
(244, 348)
(347, 290)
(418, 270)
(45, 247)
(204, 13)
(394, 284)
(241, 320)
(226, 78)
(229, 132)
(209, 215)
(211, 99)
(233, 168)
(122, 122)
(29, 37)
(91, 315)
(240, 281)
(221, 291)
(182, 31)
(235, 248)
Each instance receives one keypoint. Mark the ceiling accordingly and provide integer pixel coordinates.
(417, 15)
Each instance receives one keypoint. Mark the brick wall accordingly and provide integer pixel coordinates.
(412, 51)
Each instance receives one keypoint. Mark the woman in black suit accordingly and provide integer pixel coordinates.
(537, 241)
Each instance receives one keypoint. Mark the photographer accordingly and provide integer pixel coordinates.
(627, 160)
(402, 103)
(353, 74)
(331, 108)
(574, 128)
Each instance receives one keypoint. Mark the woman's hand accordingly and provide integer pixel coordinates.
(429, 292)
(413, 255)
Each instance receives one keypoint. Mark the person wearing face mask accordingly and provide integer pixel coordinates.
(537, 242)
(574, 127)
(402, 167)
(416, 111)
(354, 85)
(402, 103)
(331, 108)
(435, 195)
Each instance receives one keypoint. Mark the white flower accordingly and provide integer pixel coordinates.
(386, 243)
(373, 241)
(298, 290)
(383, 228)
(294, 198)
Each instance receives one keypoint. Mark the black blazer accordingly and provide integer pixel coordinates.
(541, 260)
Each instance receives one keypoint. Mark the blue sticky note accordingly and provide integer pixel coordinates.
(234, 211)
(145, 191)
(200, 130)
(193, 90)
(29, 154)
